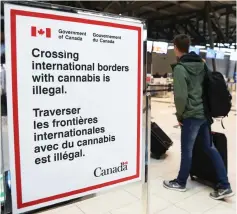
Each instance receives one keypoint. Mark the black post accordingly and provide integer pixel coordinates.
(197, 25)
(186, 28)
(207, 7)
(228, 70)
(204, 24)
(227, 24)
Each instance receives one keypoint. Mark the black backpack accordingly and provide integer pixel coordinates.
(217, 98)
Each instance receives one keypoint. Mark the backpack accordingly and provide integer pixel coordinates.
(217, 98)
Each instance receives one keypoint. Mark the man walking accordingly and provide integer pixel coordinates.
(188, 80)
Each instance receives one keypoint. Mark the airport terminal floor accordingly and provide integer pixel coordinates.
(127, 200)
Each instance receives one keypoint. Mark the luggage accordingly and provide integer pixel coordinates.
(160, 142)
(202, 166)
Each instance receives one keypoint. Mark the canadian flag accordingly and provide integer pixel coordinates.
(40, 32)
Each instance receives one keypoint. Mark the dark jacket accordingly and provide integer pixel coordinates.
(188, 80)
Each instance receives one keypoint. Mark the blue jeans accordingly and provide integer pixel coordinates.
(191, 128)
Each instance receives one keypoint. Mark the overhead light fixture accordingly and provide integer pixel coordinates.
(200, 46)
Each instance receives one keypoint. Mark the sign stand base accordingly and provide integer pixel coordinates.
(7, 204)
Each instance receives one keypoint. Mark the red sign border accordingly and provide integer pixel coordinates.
(13, 14)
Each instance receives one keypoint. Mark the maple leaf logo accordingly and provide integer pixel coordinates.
(125, 163)
(41, 32)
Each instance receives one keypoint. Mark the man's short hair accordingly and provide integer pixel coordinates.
(182, 42)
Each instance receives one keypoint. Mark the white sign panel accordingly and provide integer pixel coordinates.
(160, 47)
(233, 56)
(74, 84)
(149, 46)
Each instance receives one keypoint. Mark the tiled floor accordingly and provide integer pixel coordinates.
(128, 199)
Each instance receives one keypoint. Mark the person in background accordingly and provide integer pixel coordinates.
(2, 43)
(2, 85)
(188, 92)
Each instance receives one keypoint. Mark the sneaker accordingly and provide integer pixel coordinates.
(222, 194)
(174, 185)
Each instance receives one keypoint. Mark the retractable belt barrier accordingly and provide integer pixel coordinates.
(168, 88)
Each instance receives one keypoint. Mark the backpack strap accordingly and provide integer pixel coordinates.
(222, 122)
(207, 71)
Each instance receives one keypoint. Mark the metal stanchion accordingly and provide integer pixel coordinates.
(146, 182)
(1, 145)
(6, 206)
(1, 154)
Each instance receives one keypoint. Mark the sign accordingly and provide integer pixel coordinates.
(160, 47)
(194, 49)
(233, 56)
(74, 86)
(211, 54)
(220, 55)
